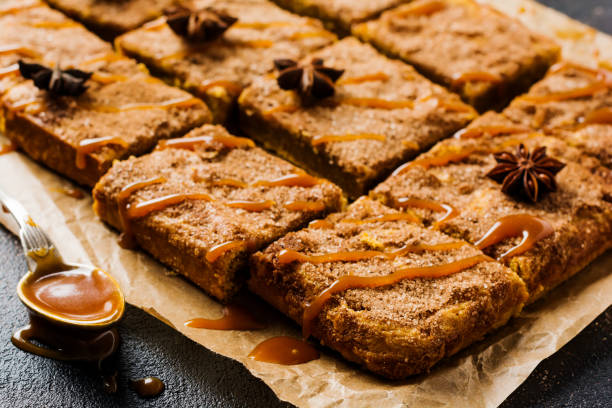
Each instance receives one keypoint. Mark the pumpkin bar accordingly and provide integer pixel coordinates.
(218, 70)
(109, 18)
(384, 291)
(339, 15)
(544, 242)
(203, 203)
(382, 114)
(473, 49)
(573, 103)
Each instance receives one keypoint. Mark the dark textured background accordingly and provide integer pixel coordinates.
(579, 375)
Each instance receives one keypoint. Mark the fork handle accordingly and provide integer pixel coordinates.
(12, 214)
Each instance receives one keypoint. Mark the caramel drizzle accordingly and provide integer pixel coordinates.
(252, 206)
(88, 146)
(585, 91)
(144, 208)
(291, 180)
(7, 147)
(218, 251)
(320, 224)
(256, 43)
(260, 25)
(20, 50)
(317, 140)
(378, 76)
(281, 109)
(435, 161)
(104, 78)
(10, 70)
(377, 103)
(234, 318)
(477, 132)
(19, 9)
(531, 228)
(230, 182)
(230, 86)
(287, 256)
(190, 143)
(346, 282)
(110, 57)
(601, 116)
(311, 34)
(477, 76)
(172, 103)
(423, 9)
(305, 206)
(449, 211)
(284, 350)
(70, 192)
(55, 24)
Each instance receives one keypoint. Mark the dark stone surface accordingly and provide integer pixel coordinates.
(578, 375)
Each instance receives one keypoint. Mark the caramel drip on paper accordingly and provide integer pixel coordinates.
(492, 130)
(7, 147)
(317, 140)
(234, 318)
(479, 76)
(405, 272)
(252, 206)
(144, 208)
(190, 143)
(88, 146)
(449, 211)
(378, 76)
(435, 161)
(531, 228)
(218, 251)
(422, 9)
(287, 256)
(70, 192)
(284, 350)
(304, 206)
(230, 86)
(126, 240)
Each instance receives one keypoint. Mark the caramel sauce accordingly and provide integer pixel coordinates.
(110, 57)
(148, 387)
(405, 272)
(531, 228)
(479, 76)
(10, 70)
(290, 180)
(144, 208)
(287, 256)
(305, 206)
(320, 224)
(347, 138)
(191, 142)
(70, 192)
(18, 49)
(253, 206)
(218, 251)
(7, 148)
(230, 86)
(234, 318)
(281, 109)
(311, 34)
(453, 106)
(435, 161)
(261, 25)
(477, 132)
(404, 216)
(83, 294)
(55, 24)
(376, 103)
(88, 146)
(585, 91)
(422, 9)
(19, 9)
(379, 76)
(256, 43)
(284, 350)
(230, 182)
(126, 240)
(601, 116)
(103, 78)
(172, 103)
(449, 211)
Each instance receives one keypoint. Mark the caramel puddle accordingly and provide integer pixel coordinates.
(284, 350)
(234, 318)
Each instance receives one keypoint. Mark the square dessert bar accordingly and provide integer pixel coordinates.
(485, 56)
(203, 203)
(339, 15)
(544, 242)
(218, 70)
(383, 113)
(123, 112)
(109, 18)
(573, 103)
(383, 290)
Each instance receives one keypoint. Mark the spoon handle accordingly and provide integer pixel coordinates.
(36, 244)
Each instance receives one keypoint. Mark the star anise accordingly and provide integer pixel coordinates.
(198, 25)
(310, 80)
(63, 82)
(524, 173)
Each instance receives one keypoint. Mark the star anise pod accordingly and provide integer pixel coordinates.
(63, 82)
(198, 25)
(310, 80)
(525, 173)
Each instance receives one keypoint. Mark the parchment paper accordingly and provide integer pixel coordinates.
(481, 376)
